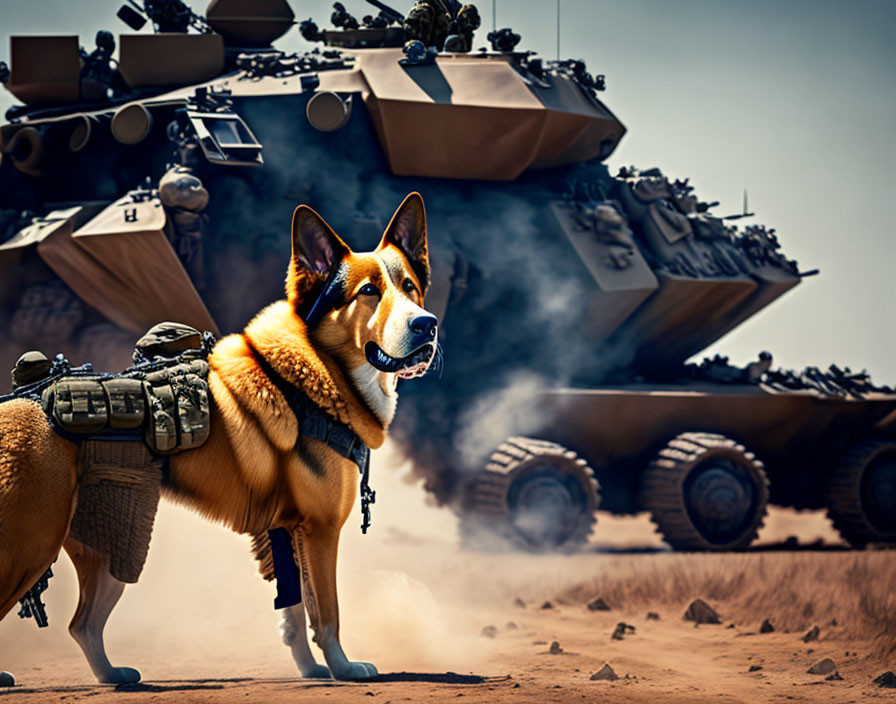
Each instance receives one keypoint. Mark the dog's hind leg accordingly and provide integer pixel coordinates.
(100, 591)
(318, 547)
(295, 635)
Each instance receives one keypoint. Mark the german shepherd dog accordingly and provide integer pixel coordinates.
(255, 472)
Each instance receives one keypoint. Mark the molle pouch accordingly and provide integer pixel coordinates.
(161, 429)
(179, 417)
(78, 404)
(127, 404)
(191, 393)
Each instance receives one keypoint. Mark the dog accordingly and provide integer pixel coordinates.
(351, 326)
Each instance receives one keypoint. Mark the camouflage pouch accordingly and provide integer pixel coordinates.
(190, 387)
(77, 404)
(161, 430)
(179, 410)
(127, 405)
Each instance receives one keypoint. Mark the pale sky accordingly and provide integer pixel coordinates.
(792, 100)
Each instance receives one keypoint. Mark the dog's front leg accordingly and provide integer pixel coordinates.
(295, 635)
(318, 544)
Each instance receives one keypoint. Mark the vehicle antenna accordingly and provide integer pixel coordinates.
(558, 30)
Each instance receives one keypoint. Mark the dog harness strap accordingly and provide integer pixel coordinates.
(326, 300)
(319, 425)
(289, 577)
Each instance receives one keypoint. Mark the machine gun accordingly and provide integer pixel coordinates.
(389, 12)
(166, 16)
(32, 606)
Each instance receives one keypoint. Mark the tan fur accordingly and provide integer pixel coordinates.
(254, 472)
(38, 476)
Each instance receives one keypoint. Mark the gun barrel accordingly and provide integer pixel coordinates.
(388, 11)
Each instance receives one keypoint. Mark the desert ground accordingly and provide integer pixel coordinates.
(444, 624)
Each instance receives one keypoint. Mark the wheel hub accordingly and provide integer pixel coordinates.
(546, 506)
(720, 500)
(879, 493)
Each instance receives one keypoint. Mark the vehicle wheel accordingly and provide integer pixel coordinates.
(706, 492)
(532, 495)
(861, 493)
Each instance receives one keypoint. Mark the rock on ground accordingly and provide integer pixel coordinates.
(811, 634)
(598, 605)
(701, 612)
(766, 627)
(605, 673)
(888, 679)
(653, 616)
(555, 648)
(822, 667)
(6, 679)
(489, 632)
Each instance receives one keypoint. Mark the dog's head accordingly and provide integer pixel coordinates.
(366, 308)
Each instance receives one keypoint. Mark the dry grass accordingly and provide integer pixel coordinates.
(795, 590)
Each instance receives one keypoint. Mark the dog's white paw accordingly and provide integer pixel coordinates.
(120, 675)
(371, 668)
(6, 679)
(355, 671)
(317, 672)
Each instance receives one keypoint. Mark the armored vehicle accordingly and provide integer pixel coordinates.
(158, 185)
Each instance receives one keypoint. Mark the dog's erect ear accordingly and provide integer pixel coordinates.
(407, 231)
(316, 252)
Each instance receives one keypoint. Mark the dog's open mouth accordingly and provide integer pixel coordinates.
(415, 364)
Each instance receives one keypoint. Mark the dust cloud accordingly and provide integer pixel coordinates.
(201, 608)
(410, 598)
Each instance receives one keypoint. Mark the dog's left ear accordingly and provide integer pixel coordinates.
(316, 252)
(407, 231)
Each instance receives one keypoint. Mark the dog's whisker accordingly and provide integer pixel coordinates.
(438, 361)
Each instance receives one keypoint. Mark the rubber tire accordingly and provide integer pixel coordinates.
(663, 490)
(486, 513)
(844, 494)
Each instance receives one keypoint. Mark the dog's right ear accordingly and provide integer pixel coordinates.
(317, 252)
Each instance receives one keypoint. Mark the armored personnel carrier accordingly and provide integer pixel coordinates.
(158, 186)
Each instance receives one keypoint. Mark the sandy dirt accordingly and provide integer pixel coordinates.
(201, 628)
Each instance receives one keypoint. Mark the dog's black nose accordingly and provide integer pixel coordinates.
(424, 326)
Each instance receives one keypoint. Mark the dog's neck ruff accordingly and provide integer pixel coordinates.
(317, 424)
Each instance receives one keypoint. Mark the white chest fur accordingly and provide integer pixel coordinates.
(378, 391)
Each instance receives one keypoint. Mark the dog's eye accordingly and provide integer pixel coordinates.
(369, 290)
(408, 286)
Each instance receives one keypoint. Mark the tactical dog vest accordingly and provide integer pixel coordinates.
(161, 400)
